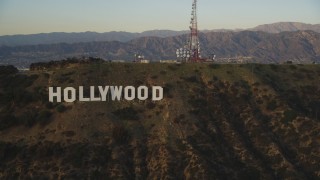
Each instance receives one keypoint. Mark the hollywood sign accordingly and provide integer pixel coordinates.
(115, 93)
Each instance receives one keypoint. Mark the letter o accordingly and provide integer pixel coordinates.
(66, 94)
(126, 93)
(143, 89)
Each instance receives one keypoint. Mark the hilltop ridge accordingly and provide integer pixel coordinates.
(287, 26)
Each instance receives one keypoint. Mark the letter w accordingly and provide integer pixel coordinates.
(116, 92)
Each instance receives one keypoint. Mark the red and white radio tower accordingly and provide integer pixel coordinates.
(194, 45)
(191, 51)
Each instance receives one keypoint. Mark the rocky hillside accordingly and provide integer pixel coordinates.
(301, 46)
(215, 121)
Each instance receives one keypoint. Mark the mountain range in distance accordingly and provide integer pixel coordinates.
(121, 36)
(296, 42)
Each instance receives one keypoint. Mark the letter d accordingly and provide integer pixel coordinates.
(157, 93)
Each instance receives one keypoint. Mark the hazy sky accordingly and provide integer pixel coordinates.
(42, 16)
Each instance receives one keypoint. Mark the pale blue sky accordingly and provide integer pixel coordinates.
(42, 16)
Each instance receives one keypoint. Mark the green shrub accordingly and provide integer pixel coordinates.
(274, 67)
(29, 118)
(198, 103)
(163, 72)
(5, 70)
(214, 66)
(154, 77)
(245, 85)
(7, 121)
(293, 67)
(79, 152)
(215, 78)
(61, 108)
(43, 117)
(173, 67)
(6, 98)
(49, 105)
(151, 105)
(299, 76)
(127, 113)
(68, 73)
(68, 133)
(167, 90)
(192, 79)
(71, 81)
(272, 105)
(120, 134)
(62, 79)
(289, 115)
(249, 173)
(22, 97)
(46, 75)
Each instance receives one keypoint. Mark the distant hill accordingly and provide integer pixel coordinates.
(287, 26)
(61, 37)
(300, 46)
(248, 121)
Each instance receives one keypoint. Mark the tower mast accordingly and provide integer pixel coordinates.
(191, 51)
(194, 44)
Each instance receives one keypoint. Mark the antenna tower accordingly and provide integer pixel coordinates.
(191, 51)
(194, 44)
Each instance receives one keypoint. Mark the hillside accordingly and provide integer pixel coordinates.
(246, 121)
(299, 47)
